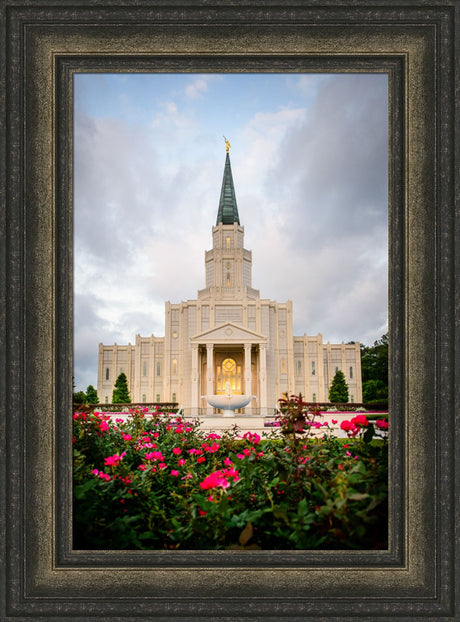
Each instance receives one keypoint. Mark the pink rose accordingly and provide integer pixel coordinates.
(215, 480)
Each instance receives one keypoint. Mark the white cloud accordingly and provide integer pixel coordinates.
(196, 88)
(171, 107)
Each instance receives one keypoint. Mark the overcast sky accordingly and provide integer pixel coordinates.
(309, 155)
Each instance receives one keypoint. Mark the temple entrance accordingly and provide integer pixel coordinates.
(241, 365)
(229, 367)
(229, 372)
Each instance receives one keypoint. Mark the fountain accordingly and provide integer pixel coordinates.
(227, 402)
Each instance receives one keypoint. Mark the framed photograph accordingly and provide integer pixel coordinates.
(45, 48)
(304, 183)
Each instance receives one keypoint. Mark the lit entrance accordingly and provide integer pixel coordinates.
(228, 371)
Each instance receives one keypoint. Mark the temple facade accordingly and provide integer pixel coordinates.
(229, 334)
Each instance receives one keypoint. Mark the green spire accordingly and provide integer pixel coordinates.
(228, 211)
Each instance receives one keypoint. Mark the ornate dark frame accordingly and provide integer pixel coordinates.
(45, 43)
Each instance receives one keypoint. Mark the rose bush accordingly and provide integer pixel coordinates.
(162, 483)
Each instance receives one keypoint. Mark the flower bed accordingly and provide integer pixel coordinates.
(162, 483)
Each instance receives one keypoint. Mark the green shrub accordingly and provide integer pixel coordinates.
(162, 483)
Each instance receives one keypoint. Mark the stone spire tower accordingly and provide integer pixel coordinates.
(228, 265)
(228, 210)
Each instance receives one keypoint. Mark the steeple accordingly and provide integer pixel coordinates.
(228, 210)
(228, 264)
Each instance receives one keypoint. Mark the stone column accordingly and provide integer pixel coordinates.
(209, 373)
(263, 378)
(247, 374)
(195, 380)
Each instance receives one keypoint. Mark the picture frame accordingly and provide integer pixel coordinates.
(43, 45)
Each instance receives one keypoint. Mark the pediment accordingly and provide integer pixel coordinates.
(229, 333)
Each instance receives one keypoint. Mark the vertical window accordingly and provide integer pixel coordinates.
(158, 369)
(314, 397)
(144, 398)
(158, 397)
(336, 369)
(106, 399)
(313, 369)
(283, 366)
(144, 368)
(107, 373)
(227, 241)
(351, 372)
(299, 367)
(174, 397)
(174, 366)
(228, 279)
(352, 398)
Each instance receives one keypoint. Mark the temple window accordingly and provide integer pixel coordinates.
(351, 372)
(227, 241)
(158, 369)
(174, 366)
(283, 366)
(313, 370)
(144, 368)
(107, 373)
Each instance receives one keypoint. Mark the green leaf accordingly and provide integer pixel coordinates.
(302, 508)
(79, 491)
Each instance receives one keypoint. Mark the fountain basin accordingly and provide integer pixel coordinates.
(228, 403)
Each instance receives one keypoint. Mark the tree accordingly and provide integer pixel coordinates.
(374, 391)
(374, 361)
(91, 395)
(338, 391)
(374, 370)
(79, 397)
(120, 394)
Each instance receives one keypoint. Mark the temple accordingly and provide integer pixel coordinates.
(228, 334)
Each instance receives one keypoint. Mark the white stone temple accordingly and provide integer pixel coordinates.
(229, 334)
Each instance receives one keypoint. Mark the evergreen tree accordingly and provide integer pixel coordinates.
(338, 391)
(120, 394)
(91, 395)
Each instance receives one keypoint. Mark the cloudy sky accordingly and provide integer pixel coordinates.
(309, 160)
